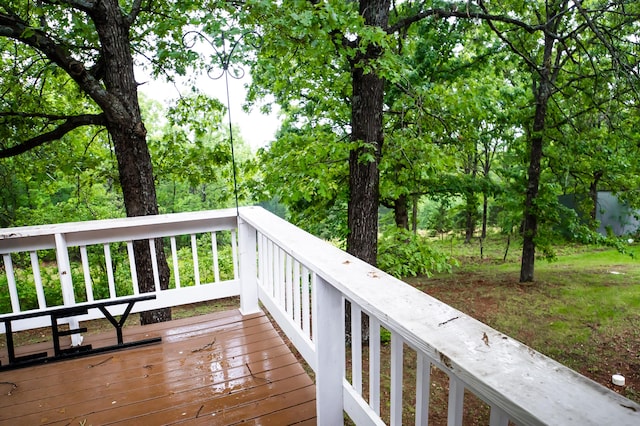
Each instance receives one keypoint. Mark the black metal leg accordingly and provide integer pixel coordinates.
(55, 335)
(118, 324)
(10, 349)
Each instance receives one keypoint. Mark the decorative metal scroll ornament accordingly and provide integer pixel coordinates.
(222, 66)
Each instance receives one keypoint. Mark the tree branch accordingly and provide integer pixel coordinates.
(35, 115)
(454, 13)
(135, 11)
(16, 28)
(70, 124)
(83, 5)
(615, 53)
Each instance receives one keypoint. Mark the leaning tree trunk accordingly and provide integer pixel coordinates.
(128, 133)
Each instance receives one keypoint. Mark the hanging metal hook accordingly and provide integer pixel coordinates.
(224, 68)
(223, 53)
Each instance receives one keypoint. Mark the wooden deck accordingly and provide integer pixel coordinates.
(216, 369)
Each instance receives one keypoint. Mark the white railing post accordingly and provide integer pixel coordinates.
(248, 269)
(11, 280)
(328, 331)
(66, 282)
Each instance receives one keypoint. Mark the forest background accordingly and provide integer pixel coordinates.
(437, 117)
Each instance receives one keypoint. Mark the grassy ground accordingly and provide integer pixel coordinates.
(583, 309)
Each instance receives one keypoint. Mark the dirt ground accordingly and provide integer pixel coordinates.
(605, 354)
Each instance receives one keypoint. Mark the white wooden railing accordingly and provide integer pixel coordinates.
(304, 282)
(73, 243)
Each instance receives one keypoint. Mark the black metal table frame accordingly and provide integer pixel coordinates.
(70, 311)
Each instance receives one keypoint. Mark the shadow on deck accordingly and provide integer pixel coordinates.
(219, 368)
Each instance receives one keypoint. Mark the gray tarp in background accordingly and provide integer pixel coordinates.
(611, 214)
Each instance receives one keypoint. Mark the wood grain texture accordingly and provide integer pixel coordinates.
(214, 368)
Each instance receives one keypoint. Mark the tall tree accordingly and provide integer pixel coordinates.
(549, 39)
(321, 56)
(417, 114)
(367, 104)
(75, 60)
(192, 157)
(328, 55)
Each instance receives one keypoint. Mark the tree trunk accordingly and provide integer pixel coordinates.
(530, 224)
(471, 208)
(129, 138)
(488, 153)
(414, 215)
(366, 129)
(593, 195)
(362, 208)
(470, 218)
(545, 76)
(401, 212)
(485, 213)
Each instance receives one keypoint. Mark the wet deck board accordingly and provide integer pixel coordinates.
(220, 368)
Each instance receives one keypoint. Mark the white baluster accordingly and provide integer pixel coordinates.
(456, 401)
(270, 270)
(86, 270)
(279, 275)
(234, 254)
(196, 265)
(214, 252)
(288, 284)
(174, 258)
(374, 364)
(396, 379)
(328, 329)
(498, 417)
(109, 265)
(296, 292)
(37, 279)
(356, 348)
(11, 280)
(262, 259)
(423, 382)
(132, 268)
(306, 311)
(154, 264)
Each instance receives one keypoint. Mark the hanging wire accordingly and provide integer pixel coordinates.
(223, 65)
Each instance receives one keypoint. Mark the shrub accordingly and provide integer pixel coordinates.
(402, 253)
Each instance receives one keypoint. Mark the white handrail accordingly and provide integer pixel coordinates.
(104, 233)
(519, 384)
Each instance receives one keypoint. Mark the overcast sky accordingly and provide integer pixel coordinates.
(256, 128)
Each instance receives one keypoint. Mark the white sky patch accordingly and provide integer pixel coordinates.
(256, 129)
